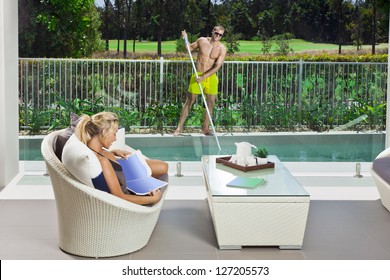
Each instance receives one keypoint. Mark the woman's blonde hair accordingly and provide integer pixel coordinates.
(101, 123)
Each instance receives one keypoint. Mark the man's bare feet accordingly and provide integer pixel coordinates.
(208, 133)
(176, 132)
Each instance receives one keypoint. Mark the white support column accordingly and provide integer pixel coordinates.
(9, 128)
(387, 144)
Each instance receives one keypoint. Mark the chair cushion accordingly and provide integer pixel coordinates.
(63, 137)
(382, 167)
(81, 161)
(385, 153)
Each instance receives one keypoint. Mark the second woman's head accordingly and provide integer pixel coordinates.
(103, 125)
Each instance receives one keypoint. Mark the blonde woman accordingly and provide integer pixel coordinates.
(98, 132)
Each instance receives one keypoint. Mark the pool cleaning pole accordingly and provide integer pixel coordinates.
(201, 91)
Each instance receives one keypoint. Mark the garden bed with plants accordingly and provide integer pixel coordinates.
(282, 96)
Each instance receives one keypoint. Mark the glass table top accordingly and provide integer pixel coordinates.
(278, 180)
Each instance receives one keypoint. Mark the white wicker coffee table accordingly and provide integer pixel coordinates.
(273, 214)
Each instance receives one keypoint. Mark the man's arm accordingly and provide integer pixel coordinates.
(193, 45)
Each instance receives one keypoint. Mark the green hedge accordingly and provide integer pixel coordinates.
(325, 57)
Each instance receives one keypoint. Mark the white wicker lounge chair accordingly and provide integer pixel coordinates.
(380, 172)
(92, 223)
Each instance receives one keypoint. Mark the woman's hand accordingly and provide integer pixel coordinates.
(155, 195)
(121, 153)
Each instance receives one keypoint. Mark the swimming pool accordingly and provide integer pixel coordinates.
(291, 147)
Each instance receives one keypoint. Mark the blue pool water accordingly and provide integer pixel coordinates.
(353, 147)
(289, 147)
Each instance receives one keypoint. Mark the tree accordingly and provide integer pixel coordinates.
(126, 24)
(282, 44)
(309, 20)
(119, 21)
(356, 26)
(60, 28)
(159, 21)
(28, 28)
(193, 19)
(163, 14)
(266, 24)
(232, 43)
(373, 26)
(209, 14)
(137, 22)
(337, 7)
(241, 20)
(107, 9)
(383, 7)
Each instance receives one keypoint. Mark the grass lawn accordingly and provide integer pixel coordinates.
(249, 47)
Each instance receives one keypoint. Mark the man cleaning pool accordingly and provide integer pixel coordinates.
(211, 55)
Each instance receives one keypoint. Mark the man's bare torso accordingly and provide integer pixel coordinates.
(208, 53)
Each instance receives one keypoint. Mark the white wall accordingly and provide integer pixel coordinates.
(388, 93)
(9, 128)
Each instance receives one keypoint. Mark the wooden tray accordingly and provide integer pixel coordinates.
(225, 161)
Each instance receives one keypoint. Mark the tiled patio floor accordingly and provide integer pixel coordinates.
(346, 221)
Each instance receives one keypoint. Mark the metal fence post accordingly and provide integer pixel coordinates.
(300, 84)
(161, 78)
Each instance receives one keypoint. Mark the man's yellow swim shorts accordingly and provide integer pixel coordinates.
(209, 85)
